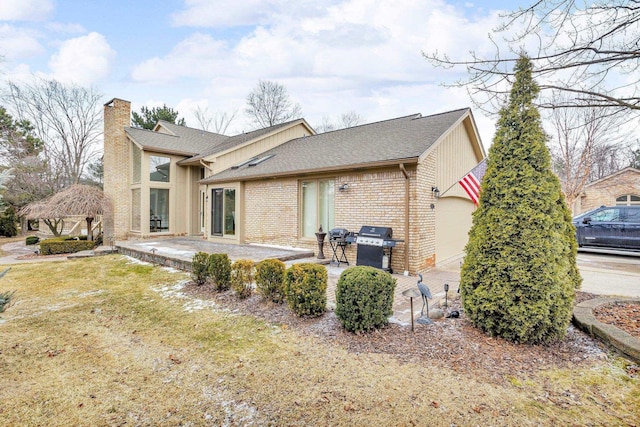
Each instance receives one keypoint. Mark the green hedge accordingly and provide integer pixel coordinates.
(364, 298)
(65, 245)
(242, 272)
(270, 279)
(306, 289)
(200, 268)
(32, 240)
(220, 271)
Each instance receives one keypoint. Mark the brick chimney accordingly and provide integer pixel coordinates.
(117, 116)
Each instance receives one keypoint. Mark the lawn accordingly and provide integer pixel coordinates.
(108, 341)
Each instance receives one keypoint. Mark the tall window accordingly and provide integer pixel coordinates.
(136, 203)
(628, 200)
(223, 212)
(159, 168)
(136, 164)
(317, 206)
(159, 209)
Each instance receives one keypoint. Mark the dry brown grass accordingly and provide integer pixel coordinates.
(104, 341)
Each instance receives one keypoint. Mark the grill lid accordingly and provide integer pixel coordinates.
(338, 233)
(385, 233)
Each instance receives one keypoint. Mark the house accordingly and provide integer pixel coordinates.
(619, 188)
(280, 184)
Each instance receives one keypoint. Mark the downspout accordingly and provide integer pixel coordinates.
(406, 218)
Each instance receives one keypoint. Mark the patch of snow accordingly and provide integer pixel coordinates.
(133, 260)
(235, 413)
(91, 293)
(397, 321)
(285, 248)
(172, 270)
(165, 250)
(192, 304)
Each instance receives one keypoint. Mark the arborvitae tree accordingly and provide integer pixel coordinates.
(519, 276)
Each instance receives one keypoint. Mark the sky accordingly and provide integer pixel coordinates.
(333, 56)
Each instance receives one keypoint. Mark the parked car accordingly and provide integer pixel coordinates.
(609, 226)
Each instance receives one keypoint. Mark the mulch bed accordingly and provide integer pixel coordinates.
(448, 343)
(624, 315)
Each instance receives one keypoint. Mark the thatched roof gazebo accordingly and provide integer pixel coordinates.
(77, 199)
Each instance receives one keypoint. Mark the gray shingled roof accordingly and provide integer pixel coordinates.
(396, 139)
(187, 141)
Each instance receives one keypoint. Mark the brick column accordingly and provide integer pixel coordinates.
(117, 115)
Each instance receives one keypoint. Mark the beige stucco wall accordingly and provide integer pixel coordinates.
(222, 161)
(606, 190)
(454, 157)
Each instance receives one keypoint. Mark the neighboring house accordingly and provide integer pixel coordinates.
(280, 184)
(619, 188)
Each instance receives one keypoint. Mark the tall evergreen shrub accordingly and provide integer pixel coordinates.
(519, 276)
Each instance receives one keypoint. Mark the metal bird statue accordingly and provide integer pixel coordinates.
(426, 295)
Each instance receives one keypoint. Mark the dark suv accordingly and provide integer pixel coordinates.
(613, 227)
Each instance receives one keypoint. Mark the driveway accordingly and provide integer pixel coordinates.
(606, 274)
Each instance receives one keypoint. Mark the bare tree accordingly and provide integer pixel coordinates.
(350, 119)
(269, 104)
(345, 120)
(585, 49)
(217, 122)
(67, 118)
(585, 145)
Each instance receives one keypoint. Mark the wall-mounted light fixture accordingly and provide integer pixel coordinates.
(435, 191)
(343, 187)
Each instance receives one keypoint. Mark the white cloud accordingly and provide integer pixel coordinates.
(361, 55)
(234, 13)
(196, 56)
(82, 60)
(17, 43)
(25, 10)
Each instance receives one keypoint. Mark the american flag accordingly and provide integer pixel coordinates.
(471, 181)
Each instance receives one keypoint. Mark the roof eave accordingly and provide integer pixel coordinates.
(306, 172)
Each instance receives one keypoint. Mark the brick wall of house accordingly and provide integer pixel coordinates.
(271, 212)
(117, 115)
(605, 191)
(372, 198)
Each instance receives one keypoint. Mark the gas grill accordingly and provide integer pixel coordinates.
(339, 238)
(375, 247)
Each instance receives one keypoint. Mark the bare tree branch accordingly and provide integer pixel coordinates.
(269, 104)
(217, 122)
(67, 118)
(583, 48)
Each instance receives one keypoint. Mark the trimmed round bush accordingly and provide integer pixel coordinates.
(200, 268)
(306, 289)
(242, 278)
(364, 298)
(220, 271)
(270, 279)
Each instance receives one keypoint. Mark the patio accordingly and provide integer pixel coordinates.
(178, 252)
